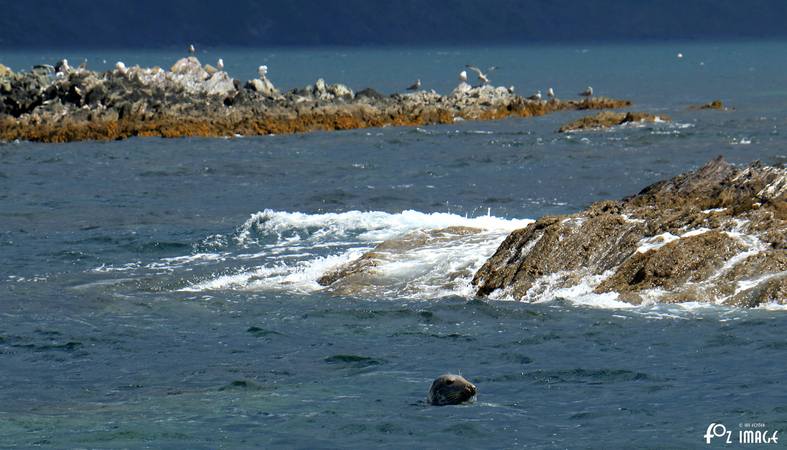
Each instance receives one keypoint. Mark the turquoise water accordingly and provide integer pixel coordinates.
(161, 293)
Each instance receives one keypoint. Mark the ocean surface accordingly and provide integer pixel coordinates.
(162, 293)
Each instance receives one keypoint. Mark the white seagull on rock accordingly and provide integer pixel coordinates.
(415, 86)
(120, 67)
(536, 96)
(551, 94)
(220, 64)
(463, 76)
(262, 71)
(587, 92)
(62, 66)
(192, 50)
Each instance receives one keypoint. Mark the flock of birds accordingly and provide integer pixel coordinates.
(483, 78)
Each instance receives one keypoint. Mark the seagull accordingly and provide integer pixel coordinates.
(481, 75)
(536, 96)
(463, 76)
(415, 86)
(551, 94)
(192, 50)
(120, 67)
(262, 70)
(587, 92)
(220, 64)
(62, 66)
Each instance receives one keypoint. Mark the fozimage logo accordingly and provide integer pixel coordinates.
(748, 433)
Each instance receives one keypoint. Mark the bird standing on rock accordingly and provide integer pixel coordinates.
(192, 50)
(62, 66)
(551, 94)
(220, 64)
(536, 97)
(463, 76)
(415, 86)
(587, 93)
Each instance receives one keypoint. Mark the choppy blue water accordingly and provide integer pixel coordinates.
(161, 293)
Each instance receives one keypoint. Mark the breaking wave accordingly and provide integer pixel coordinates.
(413, 255)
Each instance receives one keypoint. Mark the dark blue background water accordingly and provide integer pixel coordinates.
(105, 343)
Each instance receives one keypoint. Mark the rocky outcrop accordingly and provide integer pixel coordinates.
(718, 234)
(195, 100)
(607, 119)
(715, 104)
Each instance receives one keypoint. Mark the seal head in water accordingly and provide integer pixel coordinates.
(450, 389)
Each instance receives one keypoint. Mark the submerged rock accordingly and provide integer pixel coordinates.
(367, 275)
(715, 104)
(718, 234)
(607, 119)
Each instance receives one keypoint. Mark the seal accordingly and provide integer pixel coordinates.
(450, 389)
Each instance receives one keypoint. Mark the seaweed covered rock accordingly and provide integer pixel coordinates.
(191, 99)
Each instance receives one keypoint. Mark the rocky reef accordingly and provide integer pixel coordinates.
(717, 234)
(607, 119)
(60, 103)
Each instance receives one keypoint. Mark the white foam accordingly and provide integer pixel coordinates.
(292, 250)
(745, 285)
(629, 219)
(773, 306)
(297, 258)
(656, 242)
(300, 277)
(660, 240)
(369, 226)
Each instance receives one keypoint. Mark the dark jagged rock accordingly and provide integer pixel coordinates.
(718, 234)
(607, 119)
(190, 99)
(370, 94)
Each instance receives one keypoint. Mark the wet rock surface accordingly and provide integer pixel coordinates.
(717, 234)
(62, 104)
(361, 275)
(607, 119)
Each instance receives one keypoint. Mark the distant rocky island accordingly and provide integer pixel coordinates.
(60, 104)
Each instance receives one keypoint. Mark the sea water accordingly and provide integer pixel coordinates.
(163, 293)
